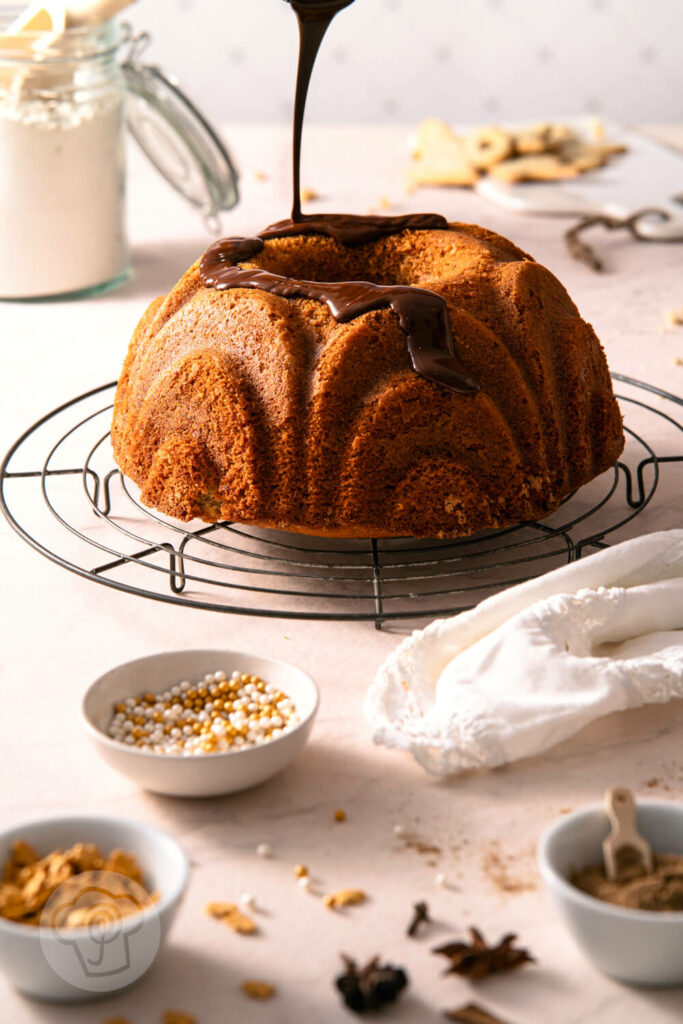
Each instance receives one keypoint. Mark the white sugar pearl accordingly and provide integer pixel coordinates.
(440, 880)
(248, 901)
(220, 677)
(264, 850)
(399, 830)
(184, 686)
(305, 882)
(175, 691)
(129, 740)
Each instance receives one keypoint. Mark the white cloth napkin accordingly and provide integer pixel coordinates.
(532, 665)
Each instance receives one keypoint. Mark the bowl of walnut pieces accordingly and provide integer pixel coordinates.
(86, 903)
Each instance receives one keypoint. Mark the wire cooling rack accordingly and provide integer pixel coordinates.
(62, 493)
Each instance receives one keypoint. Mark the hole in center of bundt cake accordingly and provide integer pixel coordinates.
(407, 259)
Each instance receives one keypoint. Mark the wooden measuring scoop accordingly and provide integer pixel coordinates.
(621, 811)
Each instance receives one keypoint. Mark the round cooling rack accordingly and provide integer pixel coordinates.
(62, 493)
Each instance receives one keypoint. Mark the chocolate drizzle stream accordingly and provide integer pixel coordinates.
(314, 17)
(422, 314)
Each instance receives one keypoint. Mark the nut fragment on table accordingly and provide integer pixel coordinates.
(472, 1013)
(230, 914)
(258, 989)
(673, 317)
(344, 898)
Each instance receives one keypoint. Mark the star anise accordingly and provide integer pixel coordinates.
(476, 959)
(372, 986)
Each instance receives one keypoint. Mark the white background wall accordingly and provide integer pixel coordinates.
(399, 60)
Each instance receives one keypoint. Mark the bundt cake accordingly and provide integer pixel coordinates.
(239, 404)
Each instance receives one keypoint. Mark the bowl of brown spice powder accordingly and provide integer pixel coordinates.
(631, 928)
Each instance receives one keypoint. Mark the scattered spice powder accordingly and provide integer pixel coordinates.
(230, 914)
(635, 888)
(258, 989)
(412, 841)
(508, 871)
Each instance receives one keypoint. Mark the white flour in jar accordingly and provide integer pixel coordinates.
(62, 178)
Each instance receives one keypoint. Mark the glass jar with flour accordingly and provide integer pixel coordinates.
(64, 103)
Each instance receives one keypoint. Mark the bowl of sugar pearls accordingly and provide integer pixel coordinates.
(202, 722)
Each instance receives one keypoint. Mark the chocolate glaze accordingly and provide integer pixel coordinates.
(422, 314)
(349, 229)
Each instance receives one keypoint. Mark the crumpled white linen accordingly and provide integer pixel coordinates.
(532, 665)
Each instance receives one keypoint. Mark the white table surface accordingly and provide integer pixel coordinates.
(59, 632)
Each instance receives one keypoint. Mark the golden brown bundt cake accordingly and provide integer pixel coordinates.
(245, 406)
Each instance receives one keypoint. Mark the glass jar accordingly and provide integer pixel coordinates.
(65, 100)
(62, 164)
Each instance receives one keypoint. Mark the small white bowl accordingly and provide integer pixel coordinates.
(639, 947)
(201, 774)
(79, 964)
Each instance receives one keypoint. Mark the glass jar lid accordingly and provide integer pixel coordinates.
(176, 137)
